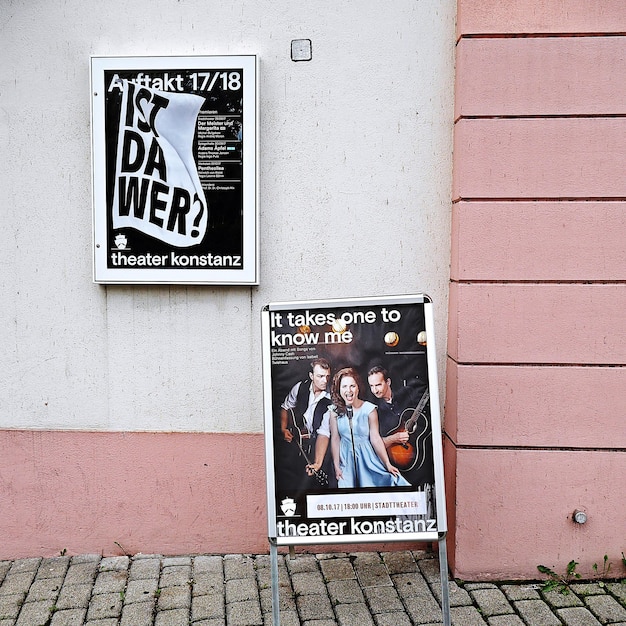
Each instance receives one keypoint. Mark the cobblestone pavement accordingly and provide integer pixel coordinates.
(348, 589)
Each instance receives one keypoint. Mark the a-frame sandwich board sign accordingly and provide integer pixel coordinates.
(352, 425)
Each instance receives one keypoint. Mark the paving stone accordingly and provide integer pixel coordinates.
(423, 609)
(34, 614)
(505, 620)
(456, 595)
(55, 567)
(264, 577)
(558, 600)
(44, 589)
(138, 614)
(174, 598)
(587, 589)
(144, 568)
(577, 616)
(287, 618)
(111, 621)
(262, 561)
(400, 562)
(322, 556)
(466, 616)
(175, 576)
(177, 561)
(392, 619)
(302, 563)
(238, 590)
(18, 583)
(371, 571)
(536, 613)
(10, 606)
(85, 558)
(244, 614)
(142, 590)
(308, 582)
(238, 566)
(345, 592)
(362, 559)
(315, 607)
(286, 600)
(208, 583)
(208, 564)
(491, 601)
(337, 569)
(175, 617)
(618, 590)
(208, 607)
(114, 563)
(112, 581)
(606, 608)
(353, 615)
(382, 599)
(81, 573)
(25, 565)
(476, 586)
(140, 555)
(520, 592)
(104, 605)
(430, 570)
(409, 585)
(69, 617)
(5, 566)
(74, 597)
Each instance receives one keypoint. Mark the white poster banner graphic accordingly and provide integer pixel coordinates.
(157, 188)
(367, 504)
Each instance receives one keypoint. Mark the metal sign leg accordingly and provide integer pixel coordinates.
(443, 574)
(275, 584)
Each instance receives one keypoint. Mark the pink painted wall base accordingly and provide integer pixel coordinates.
(513, 511)
(150, 493)
(165, 493)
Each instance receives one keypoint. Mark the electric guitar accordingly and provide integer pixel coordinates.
(414, 421)
(300, 432)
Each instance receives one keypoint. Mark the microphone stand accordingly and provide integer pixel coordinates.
(349, 413)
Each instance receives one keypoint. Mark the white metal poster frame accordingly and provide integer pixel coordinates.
(214, 149)
(269, 316)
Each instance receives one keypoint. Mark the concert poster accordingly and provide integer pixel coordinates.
(352, 421)
(174, 154)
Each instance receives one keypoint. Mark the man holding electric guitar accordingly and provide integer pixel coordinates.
(304, 423)
(404, 425)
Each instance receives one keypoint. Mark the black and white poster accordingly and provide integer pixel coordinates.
(352, 424)
(175, 169)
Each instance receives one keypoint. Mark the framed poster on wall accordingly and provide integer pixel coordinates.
(352, 421)
(175, 156)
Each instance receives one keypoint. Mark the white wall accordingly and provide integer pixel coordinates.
(355, 182)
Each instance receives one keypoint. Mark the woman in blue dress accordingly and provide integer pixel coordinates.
(359, 454)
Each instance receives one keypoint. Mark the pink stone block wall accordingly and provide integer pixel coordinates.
(535, 399)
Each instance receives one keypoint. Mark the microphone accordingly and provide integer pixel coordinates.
(349, 412)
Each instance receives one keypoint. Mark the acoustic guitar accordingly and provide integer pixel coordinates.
(414, 421)
(299, 431)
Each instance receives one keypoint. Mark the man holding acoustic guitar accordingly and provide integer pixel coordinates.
(304, 423)
(404, 425)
